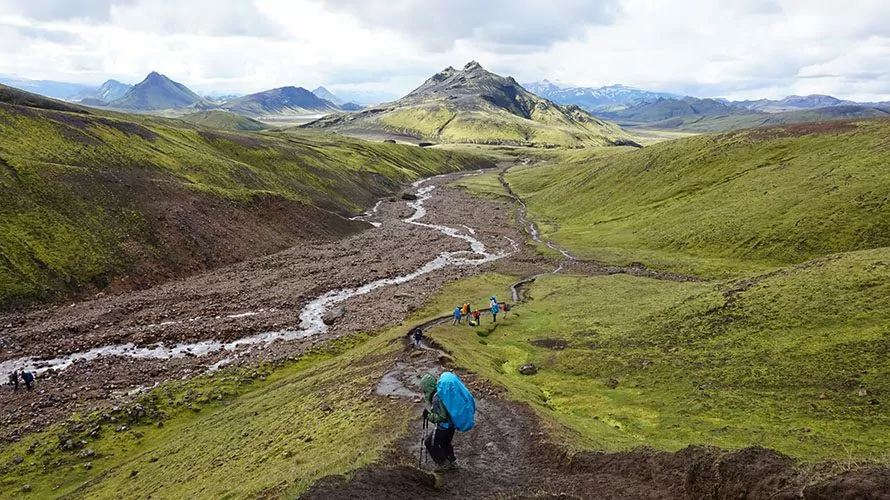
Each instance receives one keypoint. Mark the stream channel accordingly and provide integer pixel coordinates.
(311, 316)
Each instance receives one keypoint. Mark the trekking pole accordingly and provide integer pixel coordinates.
(422, 436)
(426, 425)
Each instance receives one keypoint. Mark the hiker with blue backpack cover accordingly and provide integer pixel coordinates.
(452, 407)
(495, 309)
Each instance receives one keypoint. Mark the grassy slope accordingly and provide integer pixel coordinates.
(722, 205)
(703, 124)
(231, 434)
(666, 364)
(77, 187)
(767, 367)
(224, 120)
(790, 354)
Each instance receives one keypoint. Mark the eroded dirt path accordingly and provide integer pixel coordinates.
(254, 297)
(506, 455)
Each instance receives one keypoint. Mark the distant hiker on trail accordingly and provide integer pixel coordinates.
(28, 377)
(14, 380)
(456, 320)
(506, 307)
(446, 393)
(465, 310)
(417, 335)
(493, 302)
(495, 309)
(475, 318)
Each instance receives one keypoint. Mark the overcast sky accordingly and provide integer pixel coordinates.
(728, 48)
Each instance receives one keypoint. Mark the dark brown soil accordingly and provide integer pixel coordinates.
(555, 344)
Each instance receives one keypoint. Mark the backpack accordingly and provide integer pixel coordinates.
(28, 377)
(457, 400)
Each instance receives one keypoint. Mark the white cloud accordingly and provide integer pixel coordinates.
(54, 10)
(744, 48)
(508, 25)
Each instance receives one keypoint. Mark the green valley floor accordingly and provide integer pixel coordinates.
(722, 337)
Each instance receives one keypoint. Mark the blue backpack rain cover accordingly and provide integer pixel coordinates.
(457, 400)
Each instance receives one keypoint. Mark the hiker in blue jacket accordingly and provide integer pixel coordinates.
(28, 377)
(438, 442)
(457, 316)
(495, 309)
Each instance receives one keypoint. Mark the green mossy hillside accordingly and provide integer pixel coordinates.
(723, 204)
(474, 106)
(795, 360)
(90, 196)
(224, 120)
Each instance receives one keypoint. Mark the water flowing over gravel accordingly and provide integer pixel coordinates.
(97, 350)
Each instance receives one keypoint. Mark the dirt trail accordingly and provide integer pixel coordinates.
(506, 455)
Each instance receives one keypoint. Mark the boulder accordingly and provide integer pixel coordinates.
(528, 369)
(333, 315)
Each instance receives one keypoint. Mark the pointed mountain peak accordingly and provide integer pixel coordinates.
(154, 77)
(323, 93)
(473, 66)
(157, 92)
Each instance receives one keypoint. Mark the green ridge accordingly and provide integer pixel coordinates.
(78, 186)
(719, 205)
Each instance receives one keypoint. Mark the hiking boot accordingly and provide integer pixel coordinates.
(445, 466)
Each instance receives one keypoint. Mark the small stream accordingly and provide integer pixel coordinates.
(311, 316)
(536, 236)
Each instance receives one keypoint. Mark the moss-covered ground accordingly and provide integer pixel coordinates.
(796, 361)
(718, 206)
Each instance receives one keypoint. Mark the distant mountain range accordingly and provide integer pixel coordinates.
(795, 102)
(157, 92)
(327, 95)
(48, 88)
(713, 115)
(366, 97)
(625, 105)
(280, 101)
(107, 92)
(323, 93)
(592, 99)
(473, 105)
